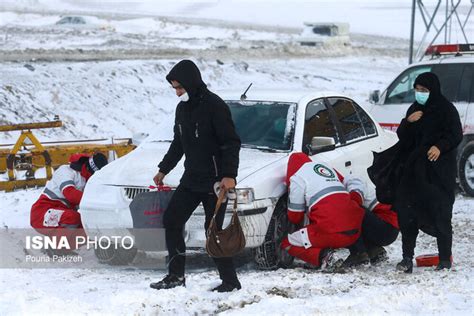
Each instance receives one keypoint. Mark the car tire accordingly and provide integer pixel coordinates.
(466, 169)
(115, 256)
(269, 255)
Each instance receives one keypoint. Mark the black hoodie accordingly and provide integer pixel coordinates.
(204, 132)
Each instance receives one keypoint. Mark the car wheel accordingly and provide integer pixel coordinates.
(115, 256)
(269, 255)
(466, 169)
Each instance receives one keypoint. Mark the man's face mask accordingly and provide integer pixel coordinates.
(184, 97)
(421, 97)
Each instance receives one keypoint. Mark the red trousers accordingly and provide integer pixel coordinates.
(319, 240)
(53, 218)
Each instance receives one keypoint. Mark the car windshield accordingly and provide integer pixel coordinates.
(265, 125)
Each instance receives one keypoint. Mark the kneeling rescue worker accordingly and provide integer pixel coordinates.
(55, 212)
(334, 209)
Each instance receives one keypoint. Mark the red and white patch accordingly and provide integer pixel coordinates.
(52, 217)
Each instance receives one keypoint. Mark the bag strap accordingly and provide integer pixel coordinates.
(220, 199)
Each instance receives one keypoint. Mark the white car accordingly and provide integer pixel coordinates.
(272, 125)
(454, 65)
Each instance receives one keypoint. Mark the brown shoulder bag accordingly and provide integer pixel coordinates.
(226, 242)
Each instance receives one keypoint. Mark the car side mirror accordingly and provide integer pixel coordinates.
(374, 96)
(322, 144)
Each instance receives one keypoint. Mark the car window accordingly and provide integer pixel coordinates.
(450, 79)
(367, 123)
(318, 122)
(348, 118)
(467, 80)
(264, 124)
(401, 90)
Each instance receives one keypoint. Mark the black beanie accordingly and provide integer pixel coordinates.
(430, 81)
(96, 162)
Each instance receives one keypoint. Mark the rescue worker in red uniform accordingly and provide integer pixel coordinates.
(333, 206)
(56, 208)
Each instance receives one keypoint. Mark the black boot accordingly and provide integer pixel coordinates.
(443, 264)
(377, 254)
(227, 287)
(168, 282)
(356, 259)
(406, 265)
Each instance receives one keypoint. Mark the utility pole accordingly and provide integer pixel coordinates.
(450, 17)
(412, 31)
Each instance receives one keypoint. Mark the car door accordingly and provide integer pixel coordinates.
(319, 121)
(455, 79)
(397, 98)
(469, 123)
(357, 134)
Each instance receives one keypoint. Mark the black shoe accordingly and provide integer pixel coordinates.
(377, 254)
(406, 265)
(356, 259)
(227, 287)
(170, 281)
(443, 265)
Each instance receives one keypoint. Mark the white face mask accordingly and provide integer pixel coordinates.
(184, 97)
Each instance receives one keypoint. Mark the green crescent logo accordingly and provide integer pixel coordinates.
(323, 171)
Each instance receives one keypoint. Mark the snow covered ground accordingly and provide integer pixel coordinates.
(105, 99)
(107, 80)
(124, 291)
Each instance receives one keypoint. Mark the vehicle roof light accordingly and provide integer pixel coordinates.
(450, 49)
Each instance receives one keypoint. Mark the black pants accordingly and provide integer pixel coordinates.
(182, 205)
(441, 228)
(375, 232)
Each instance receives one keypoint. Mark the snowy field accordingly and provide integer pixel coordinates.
(372, 290)
(108, 80)
(105, 99)
(376, 17)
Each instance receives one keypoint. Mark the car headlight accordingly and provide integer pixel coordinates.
(244, 196)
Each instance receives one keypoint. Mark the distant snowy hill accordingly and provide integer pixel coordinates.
(120, 98)
(379, 17)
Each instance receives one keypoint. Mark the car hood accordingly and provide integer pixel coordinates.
(139, 166)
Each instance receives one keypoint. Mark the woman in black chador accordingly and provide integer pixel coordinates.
(424, 197)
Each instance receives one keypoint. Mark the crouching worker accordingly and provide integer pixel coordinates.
(334, 209)
(55, 212)
(379, 229)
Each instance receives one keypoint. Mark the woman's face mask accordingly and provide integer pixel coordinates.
(184, 97)
(421, 97)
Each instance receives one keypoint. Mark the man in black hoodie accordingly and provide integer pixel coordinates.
(424, 197)
(205, 134)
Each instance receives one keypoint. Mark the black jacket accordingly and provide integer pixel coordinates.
(204, 132)
(429, 186)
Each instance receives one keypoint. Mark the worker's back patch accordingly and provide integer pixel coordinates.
(323, 171)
